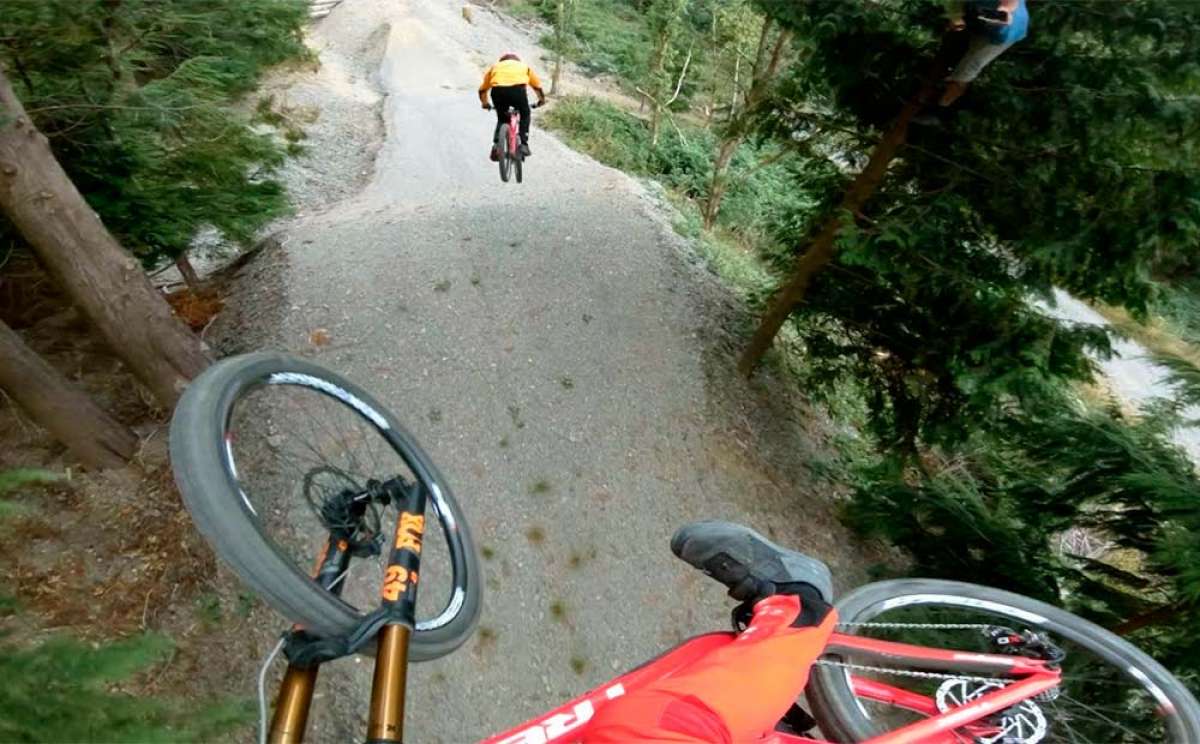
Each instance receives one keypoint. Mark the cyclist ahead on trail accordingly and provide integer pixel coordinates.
(507, 80)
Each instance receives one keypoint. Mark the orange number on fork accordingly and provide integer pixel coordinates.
(396, 581)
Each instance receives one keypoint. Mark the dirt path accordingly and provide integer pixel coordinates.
(1130, 373)
(563, 358)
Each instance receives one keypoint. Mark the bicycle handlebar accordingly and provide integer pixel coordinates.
(535, 104)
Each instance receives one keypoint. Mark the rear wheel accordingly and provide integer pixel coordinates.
(505, 155)
(268, 451)
(1110, 691)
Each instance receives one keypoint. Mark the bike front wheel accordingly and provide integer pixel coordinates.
(274, 456)
(1109, 690)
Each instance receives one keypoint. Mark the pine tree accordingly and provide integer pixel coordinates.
(1070, 163)
(100, 278)
(1067, 164)
(136, 98)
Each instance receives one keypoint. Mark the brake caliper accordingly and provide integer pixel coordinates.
(1028, 644)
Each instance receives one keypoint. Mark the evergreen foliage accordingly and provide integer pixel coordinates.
(68, 690)
(138, 99)
(1070, 163)
(1050, 172)
(758, 197)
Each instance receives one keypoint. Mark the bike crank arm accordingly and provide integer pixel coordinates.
(386, 720)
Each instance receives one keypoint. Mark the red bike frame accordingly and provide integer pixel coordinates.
(570, 721)
(514, 128)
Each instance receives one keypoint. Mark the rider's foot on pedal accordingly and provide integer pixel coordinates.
(749, 564)
(495, 156)
(525, 150)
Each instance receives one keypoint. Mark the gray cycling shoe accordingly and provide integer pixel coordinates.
(749, 564)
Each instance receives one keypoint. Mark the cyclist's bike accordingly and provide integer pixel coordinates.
(317, 497)
(508, 145)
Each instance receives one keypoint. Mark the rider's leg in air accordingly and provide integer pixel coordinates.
(526, 115)
(496, 107)
(738, 692)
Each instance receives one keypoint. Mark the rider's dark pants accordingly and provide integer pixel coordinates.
(515, 96)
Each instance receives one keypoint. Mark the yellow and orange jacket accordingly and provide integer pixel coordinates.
(507, 72)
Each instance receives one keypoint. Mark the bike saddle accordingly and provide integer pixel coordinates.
(748, 563)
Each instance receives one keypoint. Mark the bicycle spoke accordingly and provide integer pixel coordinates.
(1103, 717)
(301, 451)
(1096, 700)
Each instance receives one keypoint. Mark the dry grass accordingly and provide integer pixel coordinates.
(1154, 334)
(110, 563)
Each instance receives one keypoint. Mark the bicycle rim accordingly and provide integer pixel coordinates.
(1110, 691)
(294, 451)
(505, 153)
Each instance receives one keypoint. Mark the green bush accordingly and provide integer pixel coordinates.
(67, 690)
(604, 132)
(758, 198)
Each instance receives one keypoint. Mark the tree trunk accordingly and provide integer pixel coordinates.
(764, 72)
(714, 53)
(97, 439)
(822, 247)
(1158, 616)
(658, 83)
(187, 271)
(662, 108)
(737, 69)
(760, 54)
(560, 34)
(103, 281)
(716, 188)
(657, 69)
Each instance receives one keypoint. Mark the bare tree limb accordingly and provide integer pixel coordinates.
(682, 73)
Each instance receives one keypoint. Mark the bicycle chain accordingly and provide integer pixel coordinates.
(911, 673)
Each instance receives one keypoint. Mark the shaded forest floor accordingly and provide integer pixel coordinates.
(103, 555)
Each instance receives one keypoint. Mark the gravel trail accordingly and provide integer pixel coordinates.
(562, 356)
(1130, 373)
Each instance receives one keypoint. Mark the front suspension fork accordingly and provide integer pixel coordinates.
(385, 723)
(295, 692)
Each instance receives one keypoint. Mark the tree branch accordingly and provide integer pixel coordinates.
(679, 83)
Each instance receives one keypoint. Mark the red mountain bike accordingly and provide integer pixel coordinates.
(508, 145)
(316, 496)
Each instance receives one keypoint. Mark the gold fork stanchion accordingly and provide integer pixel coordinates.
(386, 721)
(290, 719)
(291, 708)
